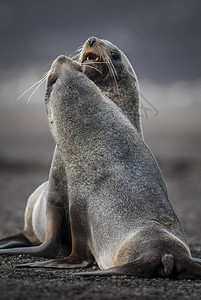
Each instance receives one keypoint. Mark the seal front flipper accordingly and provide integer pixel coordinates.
(48, 249)
(14, 241)
(81, 255)
(19, 244)
(52, 241)
(46, 229)
(60, 263)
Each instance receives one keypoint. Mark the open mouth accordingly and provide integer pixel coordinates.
(93, 65)
(91, 57)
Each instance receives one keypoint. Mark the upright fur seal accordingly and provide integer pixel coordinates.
(47, 225)
(119, 210)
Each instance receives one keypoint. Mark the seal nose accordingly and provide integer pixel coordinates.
(91, 40)
(61, 58)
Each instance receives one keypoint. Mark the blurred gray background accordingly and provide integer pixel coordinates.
(162, 41)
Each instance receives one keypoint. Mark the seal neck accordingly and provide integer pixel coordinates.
(126, 97)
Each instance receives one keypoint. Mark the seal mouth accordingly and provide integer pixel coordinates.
(94, 63)
(91, 57)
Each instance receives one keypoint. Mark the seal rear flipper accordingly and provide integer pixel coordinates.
(60, 263)
(188, 269)
(198, 260)
(136, 268)
(167, 266)
(14, 241)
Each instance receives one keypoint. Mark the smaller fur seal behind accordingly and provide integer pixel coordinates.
(119, 210)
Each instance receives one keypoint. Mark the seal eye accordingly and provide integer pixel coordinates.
(115, 55)
(50, 86)
(52, 83)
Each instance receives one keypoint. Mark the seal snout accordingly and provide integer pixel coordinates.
(92, 40)
(61, 58)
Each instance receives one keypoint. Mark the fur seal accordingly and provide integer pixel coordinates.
(117, 79)
(47, 226)
(119, 210)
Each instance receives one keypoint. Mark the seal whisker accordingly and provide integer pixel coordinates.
(78, 50)
(89, 66)
(38, 82)
(44, 79)
(75, 57)
(112, 66)
(113, 75)
(109, 61)
(98, 62)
